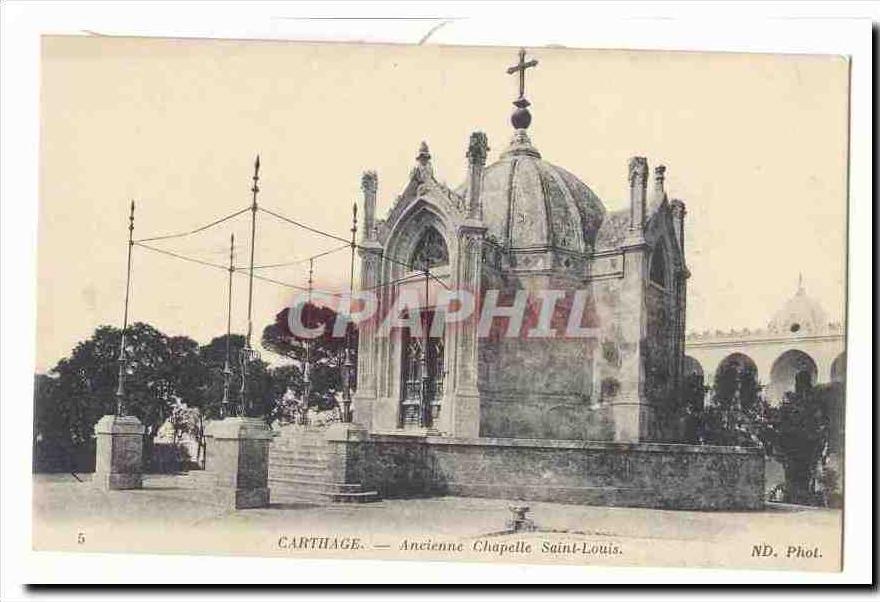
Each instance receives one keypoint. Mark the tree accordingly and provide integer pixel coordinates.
(689, 411)
(159, 371)
(53, 445)
(738, 410)
(798, 434)
(166, 378)
(327, 352)
(261, 389)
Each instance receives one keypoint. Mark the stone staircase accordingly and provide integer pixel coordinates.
(298, 472)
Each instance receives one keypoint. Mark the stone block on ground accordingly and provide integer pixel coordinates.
(237, 462)
(119, 453)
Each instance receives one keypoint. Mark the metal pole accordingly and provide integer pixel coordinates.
(426, 409)
(307, 366)
(227, 370)
(255, 189)
(248, 355)
(120, 389)
(349, 365)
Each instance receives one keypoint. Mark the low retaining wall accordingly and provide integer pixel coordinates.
(652, 475)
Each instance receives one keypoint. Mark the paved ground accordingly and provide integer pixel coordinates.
(131, 520)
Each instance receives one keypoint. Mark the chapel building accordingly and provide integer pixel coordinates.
(521, 223)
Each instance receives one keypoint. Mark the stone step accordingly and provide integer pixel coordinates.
(299, 451)
(298, 475)
(363, 497)
(296, 464)
(316, 485)
(297, 469)
(293, 494)
(283, 497)
(288, 465)
(282, 453)
(301, 458)
(311, 438)
(298, 443)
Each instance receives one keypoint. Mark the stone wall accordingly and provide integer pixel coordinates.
(598, 473)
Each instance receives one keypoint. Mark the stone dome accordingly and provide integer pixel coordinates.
(801, 313)
(529, 203)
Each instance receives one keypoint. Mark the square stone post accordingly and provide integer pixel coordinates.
(119, 453)
(460, 416)
(632, 413)
(345, 462)
(238, 461)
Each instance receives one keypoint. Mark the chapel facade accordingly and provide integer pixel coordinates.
(521, 223)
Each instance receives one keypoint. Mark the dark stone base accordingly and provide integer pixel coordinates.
(239, 499)
(116, 480)
(648, 475)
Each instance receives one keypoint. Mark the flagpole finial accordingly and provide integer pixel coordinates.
(256, 178)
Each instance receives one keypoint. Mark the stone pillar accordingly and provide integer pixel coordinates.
(678, 212)
(659, 184)
(461, 414)
(119, 453)
(369, 186)
(681, 276)
(366, 393)
(345, 464)
(638, 185)
(476, 154)
(370, 252)
(632, 415)
(238, 461)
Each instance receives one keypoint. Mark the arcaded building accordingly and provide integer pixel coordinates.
(799, 337)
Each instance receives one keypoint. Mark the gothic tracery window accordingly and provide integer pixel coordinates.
(430, 250)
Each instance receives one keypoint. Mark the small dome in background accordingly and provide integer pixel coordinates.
(801, 313)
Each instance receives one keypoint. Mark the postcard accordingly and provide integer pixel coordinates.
(533, 305)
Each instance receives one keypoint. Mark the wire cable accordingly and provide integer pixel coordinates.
(303, 226)
(348, 243)
(299, 261)
(242, 271)
(182, 257)
(199, 229)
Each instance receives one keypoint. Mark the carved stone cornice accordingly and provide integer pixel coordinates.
(370, 247)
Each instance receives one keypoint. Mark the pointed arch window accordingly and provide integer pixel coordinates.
(430, 251)
(658, 267)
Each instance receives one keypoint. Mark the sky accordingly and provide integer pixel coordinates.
(755, 145)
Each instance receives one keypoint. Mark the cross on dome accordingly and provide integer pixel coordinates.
(521, 68)
(521, 117)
